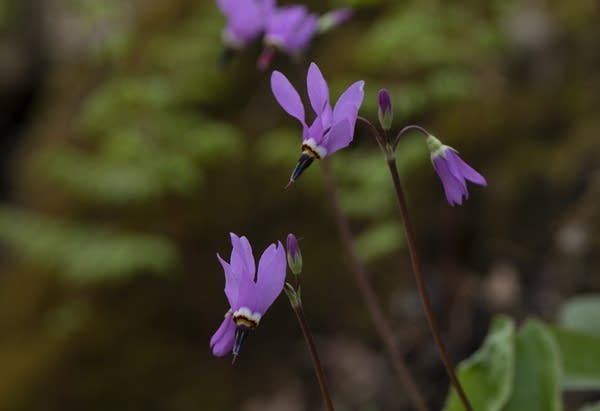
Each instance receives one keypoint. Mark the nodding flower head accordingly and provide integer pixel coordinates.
(246, 20)
(250, 292)
(332, 129)
(453, 171)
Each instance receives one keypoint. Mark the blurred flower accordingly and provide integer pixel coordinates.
(250, 293)
(294, 257)
(333, 19)
(385, 109)
(453, 171)
(246, 20)
(331, 130)
(291, 29)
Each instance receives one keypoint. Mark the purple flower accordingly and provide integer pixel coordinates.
(453, 171)
(332, 129)
(385, 109)
(250, 293)
(246, 20)
(290, 28)
(294, 257)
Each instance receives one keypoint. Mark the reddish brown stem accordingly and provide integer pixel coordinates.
(419, 278)
(358, 269)
(314, 356)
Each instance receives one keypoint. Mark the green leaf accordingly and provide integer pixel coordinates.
(487, 375)
(580, 354)
(536, 383)
(581, 314)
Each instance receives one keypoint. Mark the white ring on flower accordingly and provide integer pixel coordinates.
(245, 316)
(312, 145)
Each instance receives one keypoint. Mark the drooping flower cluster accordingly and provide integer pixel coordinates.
(332, 129)
(289, 28)
(249, 292)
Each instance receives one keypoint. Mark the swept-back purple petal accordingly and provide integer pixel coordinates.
(454, 188)
(287, 96)
(338, 137)
(315, 131)
(226, 6)
(299, 39)
(221, 342)
(242, 259)
(318, 92)
(231, 281)
(349, 103)
(466, 170)
(246, 19)
(271, 275)
(247, 296)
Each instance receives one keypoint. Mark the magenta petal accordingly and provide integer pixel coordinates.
(271, 276)
(226, 6)
(221, 342)
(231, 281)
(299, 39)
(247, 296)
(466, 170)
(349, 103)
(282, 22)
(287, 96)
(338, 137)
(242, 260)
(318, 92)
(315, 131)
(454, 189)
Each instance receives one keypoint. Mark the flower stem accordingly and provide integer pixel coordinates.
(419, 278)
(382, 325)
(314, 356)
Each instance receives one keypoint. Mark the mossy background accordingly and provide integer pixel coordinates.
(128, 156)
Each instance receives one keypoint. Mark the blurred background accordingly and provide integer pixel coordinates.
(127, 156)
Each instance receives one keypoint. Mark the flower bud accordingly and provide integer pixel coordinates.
(385, 109)
(294, 257)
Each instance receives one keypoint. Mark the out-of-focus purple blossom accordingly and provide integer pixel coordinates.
(453, 171)
(333, 19)
(385, 109)
(294, 257)
(290, 28)
(246, 20)
(249, 292)
(332, 129)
